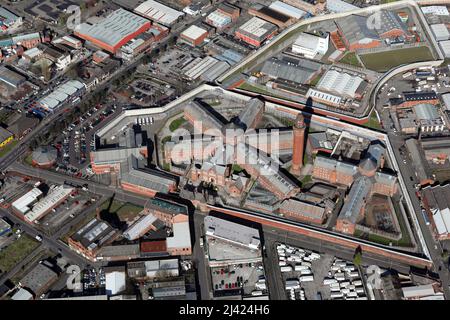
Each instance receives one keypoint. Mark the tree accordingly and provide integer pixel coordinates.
(357, 259)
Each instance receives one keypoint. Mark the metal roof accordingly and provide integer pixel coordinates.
(114, 28)
(425, 111)
(286, 9)
(10, 77)
(296, 70)
(257, 28)
(341, 83)
(158, 12)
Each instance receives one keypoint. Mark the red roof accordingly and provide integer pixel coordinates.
(153, 246)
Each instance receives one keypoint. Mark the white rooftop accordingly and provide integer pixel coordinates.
(158, 12)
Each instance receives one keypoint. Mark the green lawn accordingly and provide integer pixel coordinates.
(316, 80)
(123, 210)
(4, 151)
(176, 124)
(16, 252)
(384, 61)
(350, 58)
(373, 122)
(307, 179)
(236, 168)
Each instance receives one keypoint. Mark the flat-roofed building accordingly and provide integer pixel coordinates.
(53, 199)
(153, 269)
(266, 13)
(159, 12)
(194, 35)
(231, 243)
(311, 45)
(256, 31)
(436, 200)
(39, 279)
(114, 31)
(91, 237)
(440, 32)
(10, 77)
(287, 10)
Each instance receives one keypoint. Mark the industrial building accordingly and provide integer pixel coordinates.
(39, 279)
(440, 32)
(88, 240)
(11, 78)
(297, 70)
(256, 31)
(310, 45)
(355, 33)
(61, 95)
(5, 228)
(230, 243)
(54, 198)
(44, 157)
(159, 13)
(436, 201)
(219, 19)
(8, 20)
(25, 203)
(266, 13)
(115, 280)
(422, 292)
(153, 269)
(194, 36)
(287, 10)
(114, 31)
(342, 83)
(339, 6)
(445, 47)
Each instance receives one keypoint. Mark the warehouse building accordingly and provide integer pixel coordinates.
(231, 243)
(440, 32)
(445, 47)
(194, 36)
(342, 83)
(202, 68)
(159, 13)
(140, 227)
(8, 20)
(219, 20)
(11, 78)
(311, 45)
(339, 6)
(5, 228)
(355, 33)
(436, 201)
(24, 204)
(88, 240)
(256, 31)
(297, 70)
(153, 269)
(53, 199)
(266, 13)
(428, 118)
(39, 279)
(114, 31)
(287, 10)
(62, 94)
(115, 280)
(422, 292)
